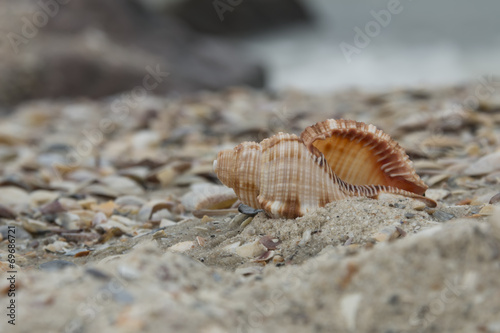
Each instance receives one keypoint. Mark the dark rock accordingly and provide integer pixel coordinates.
(98, 48)
(247, 210)
(226, 18)
(442, 216)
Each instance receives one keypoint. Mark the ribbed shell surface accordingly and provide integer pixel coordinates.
(239, 169)
(293, 181)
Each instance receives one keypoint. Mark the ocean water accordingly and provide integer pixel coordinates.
(405, 43)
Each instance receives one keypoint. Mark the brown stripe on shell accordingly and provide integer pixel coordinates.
(239, 169)
(361, 154)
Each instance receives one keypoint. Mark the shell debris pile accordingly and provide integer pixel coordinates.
(77, 175)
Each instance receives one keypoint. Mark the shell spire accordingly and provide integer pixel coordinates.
(288, 176)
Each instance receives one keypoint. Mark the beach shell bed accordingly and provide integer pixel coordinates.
(122, 224)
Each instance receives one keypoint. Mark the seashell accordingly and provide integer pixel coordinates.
(495, 199)
(437, 194)
(161, 214)
(56, 247)
(437, 179)
(264, 257)
(278, 259)
(151, 207)
(388, 234)
(106, 207)
(42, 197)
(488, 210)
(14, 198)
(53, 207)
(130, 200)
(486, 164)
(182, 246)
(251, 250)
(166, 223)
(6, 213)
(288, 176)
(481, 199)
(68, 221)
(34, 226)
(246, 222)
(201, 241)
(208, 196)
(165, 175)
(122, 185)
(99, 218)
(269, 242)
(116, 223)
(231, 247)
(306, 237)
(100, 190)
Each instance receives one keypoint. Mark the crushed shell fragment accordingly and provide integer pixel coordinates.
(182, 246)
(288, 176)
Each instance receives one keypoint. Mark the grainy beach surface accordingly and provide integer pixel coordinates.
(116, 231)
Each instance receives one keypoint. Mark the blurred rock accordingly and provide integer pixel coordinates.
(94, 48)
(231, 17)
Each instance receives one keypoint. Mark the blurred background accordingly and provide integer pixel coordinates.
(96, 48)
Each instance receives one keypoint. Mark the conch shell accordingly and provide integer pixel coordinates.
(288, 176)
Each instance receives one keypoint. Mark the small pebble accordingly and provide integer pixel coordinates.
(442, 216)
(20, 232)
(128, 272)
(247, 210)
(120, 295)
(94, 272)
(387, 234)
(55, 265)
(418, 205)
(409, 215)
